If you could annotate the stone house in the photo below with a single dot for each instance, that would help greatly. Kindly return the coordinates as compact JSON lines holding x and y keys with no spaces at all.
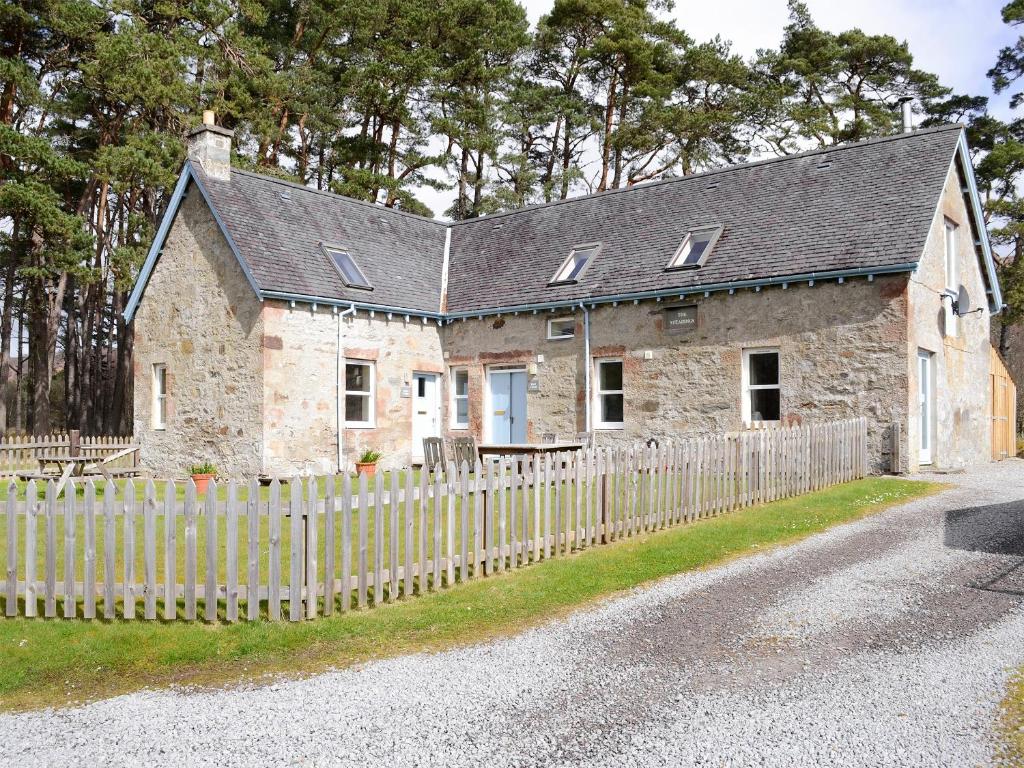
{"x":281,"y":329}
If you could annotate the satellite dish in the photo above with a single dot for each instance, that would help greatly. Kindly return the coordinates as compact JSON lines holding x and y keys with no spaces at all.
{"x":962,"y":302}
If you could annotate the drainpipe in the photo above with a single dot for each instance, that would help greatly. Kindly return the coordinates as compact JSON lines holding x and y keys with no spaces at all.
{"x":339,"y":405}
{"x":586,"y":367}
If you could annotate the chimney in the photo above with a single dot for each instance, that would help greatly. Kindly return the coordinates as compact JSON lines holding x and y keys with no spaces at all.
{"x":209,"y":145}
{"x":907,"y":114}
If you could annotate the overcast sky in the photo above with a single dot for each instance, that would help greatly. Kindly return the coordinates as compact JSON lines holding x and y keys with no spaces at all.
{"x":956,"y":39}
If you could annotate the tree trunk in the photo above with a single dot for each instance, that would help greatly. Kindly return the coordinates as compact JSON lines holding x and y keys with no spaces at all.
{"x":606,"y":144}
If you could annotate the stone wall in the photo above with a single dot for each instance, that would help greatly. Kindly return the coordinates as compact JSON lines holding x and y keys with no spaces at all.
{"x":842,"y":353}
{"x":300,"y":384}
{"x":961,"y":362}
{"x":200,"y":317}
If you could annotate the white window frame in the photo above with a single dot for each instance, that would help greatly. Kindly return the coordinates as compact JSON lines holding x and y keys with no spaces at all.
{"x":455,"y":397}
{"x":599,"y":422}
{"x":712,"y":234}
{"x":561,"y":275}
{"x":747,"y":387}
{"x":371,"y":394}
{"x":951,"y":260}
{"x":159,"y":397}
{"x":560,"y":337}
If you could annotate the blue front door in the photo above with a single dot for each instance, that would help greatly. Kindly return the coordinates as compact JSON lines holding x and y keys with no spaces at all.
{"x":508,"y":407}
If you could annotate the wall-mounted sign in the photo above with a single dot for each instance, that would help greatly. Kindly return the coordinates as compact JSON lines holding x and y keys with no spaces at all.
{"x":533,"y":385}
{"x":681,"y":319}
{"x":405,"y":391}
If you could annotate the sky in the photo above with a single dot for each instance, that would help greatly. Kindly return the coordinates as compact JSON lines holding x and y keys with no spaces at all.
{"x":956,"y":39}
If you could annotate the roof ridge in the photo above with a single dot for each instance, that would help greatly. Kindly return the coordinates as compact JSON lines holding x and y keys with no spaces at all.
{"x":335,"y":195}
{"x":717,"y":171}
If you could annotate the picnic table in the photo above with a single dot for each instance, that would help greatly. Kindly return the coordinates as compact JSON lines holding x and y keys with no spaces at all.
{"x":526,"y":449}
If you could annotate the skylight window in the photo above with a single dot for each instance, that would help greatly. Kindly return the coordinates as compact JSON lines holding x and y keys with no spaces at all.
{"x":579,"y":259}
{"x":350,"y":272}
{"x":694,"y":250}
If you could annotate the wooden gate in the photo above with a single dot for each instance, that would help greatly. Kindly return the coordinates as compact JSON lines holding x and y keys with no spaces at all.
{"x":1003,"y":409}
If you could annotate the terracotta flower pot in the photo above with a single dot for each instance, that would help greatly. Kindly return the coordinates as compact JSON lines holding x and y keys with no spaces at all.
{"x":368,"y":468}
{"x":202,"y":481}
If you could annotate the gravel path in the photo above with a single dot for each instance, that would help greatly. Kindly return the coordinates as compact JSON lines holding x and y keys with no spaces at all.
{"x":883,"y":642}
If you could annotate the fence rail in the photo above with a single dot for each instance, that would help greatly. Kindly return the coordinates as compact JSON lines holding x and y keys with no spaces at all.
{"x":314,"y":546}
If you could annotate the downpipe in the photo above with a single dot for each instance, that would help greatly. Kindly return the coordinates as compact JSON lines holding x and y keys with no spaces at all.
{"x":339,"y":402}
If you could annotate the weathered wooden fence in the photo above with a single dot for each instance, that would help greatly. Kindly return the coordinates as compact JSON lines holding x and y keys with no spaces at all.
{"x":19,"y":453}
{"x":313,"y":546}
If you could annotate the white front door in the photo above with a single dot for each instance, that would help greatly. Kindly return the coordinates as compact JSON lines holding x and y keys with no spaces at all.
{"x":425,"y":417}
{"x":924,"y":394}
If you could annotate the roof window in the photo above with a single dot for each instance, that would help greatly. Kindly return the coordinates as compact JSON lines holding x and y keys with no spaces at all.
{"x":694,"y":250}
{"x":574,"y":266}
{"x":350,"y":272}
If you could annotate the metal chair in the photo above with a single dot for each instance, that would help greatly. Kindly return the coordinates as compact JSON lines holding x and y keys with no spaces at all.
{"x":586,"y":438}
{"x":549,"y":438}
{"x":433,"y":453}
{"x":464,"y":450}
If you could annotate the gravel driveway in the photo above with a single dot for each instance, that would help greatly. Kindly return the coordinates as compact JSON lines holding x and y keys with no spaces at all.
{"x":882,"y":642}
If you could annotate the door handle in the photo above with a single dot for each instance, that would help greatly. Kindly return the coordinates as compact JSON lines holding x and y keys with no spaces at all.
{"x":499,"y":413}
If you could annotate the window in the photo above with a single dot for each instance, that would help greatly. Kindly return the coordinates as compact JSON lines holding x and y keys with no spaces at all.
{"x":694,"y":250}
{"x":350,"y":272}
{"x":610,"y":401}
{"x":762,"y":399}
{"x":952,"y":279}
{"x":460,"y":398}
{"x":562,"y":328}
{"x":579,"y":259}
{"x":159,"y":396}
{"x":358,"y":394}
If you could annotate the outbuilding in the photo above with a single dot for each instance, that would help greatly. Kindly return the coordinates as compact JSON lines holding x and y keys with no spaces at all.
{"x":282,"y":329}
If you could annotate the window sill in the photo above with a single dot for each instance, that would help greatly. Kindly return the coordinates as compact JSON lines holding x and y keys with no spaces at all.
{"x":359,"y":425}
{"x":561,"y":338}
{"x":610,"y":427}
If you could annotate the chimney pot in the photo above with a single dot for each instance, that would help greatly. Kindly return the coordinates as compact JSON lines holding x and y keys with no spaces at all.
{"x":907,"y":114}
{"x":209,"y":117}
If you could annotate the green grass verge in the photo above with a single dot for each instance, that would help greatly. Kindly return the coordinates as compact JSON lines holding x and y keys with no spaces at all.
{"x":59,"y":662}
{"x":1011,"y":723}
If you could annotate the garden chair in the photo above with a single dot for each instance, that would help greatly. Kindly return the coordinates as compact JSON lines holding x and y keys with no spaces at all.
{"x":433,"y":454}
{"x":464,"y":450}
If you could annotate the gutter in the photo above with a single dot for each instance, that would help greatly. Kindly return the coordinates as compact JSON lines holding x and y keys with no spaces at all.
{"x":353,"y":305}
{"x":339,"y":400}
{"x":682,"y":293}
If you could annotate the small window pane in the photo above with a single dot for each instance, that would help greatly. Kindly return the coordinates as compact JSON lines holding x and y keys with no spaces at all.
{"x":764,"y":369}
{"x":611,"y":408}
{"x":562,"y":329}
{"x":611,"y":376}
{"x":357,"y":408}
{"x":347,"y":268}
{"x":574,"y":265}
{"x":695,"y":251}
{"x":421,"y":387}
{"x":764,"y":405}
{"x":462,"y":383}
{"x":462,"y":411}
{"x":357,"y":377}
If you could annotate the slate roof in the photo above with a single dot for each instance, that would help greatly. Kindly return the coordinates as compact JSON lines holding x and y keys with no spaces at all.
{"x":278,"y":226}
{"x":868,"y":204}
{"x":856,"y":206}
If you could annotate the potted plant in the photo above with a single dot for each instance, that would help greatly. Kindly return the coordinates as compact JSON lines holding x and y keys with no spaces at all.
{"x":202,"y":474}
{"x":366,"y":464}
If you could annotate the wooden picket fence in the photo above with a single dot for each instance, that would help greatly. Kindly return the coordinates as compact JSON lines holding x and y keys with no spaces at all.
{"x":314,"y":546}
{"x":21,"y":453}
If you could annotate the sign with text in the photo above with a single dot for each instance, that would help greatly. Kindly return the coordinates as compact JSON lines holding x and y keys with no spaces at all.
{"x":681,"y":319}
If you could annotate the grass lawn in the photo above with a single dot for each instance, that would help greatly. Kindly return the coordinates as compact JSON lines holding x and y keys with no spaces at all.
{"x":1011,"y":722}
{"x":60,"y":662}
